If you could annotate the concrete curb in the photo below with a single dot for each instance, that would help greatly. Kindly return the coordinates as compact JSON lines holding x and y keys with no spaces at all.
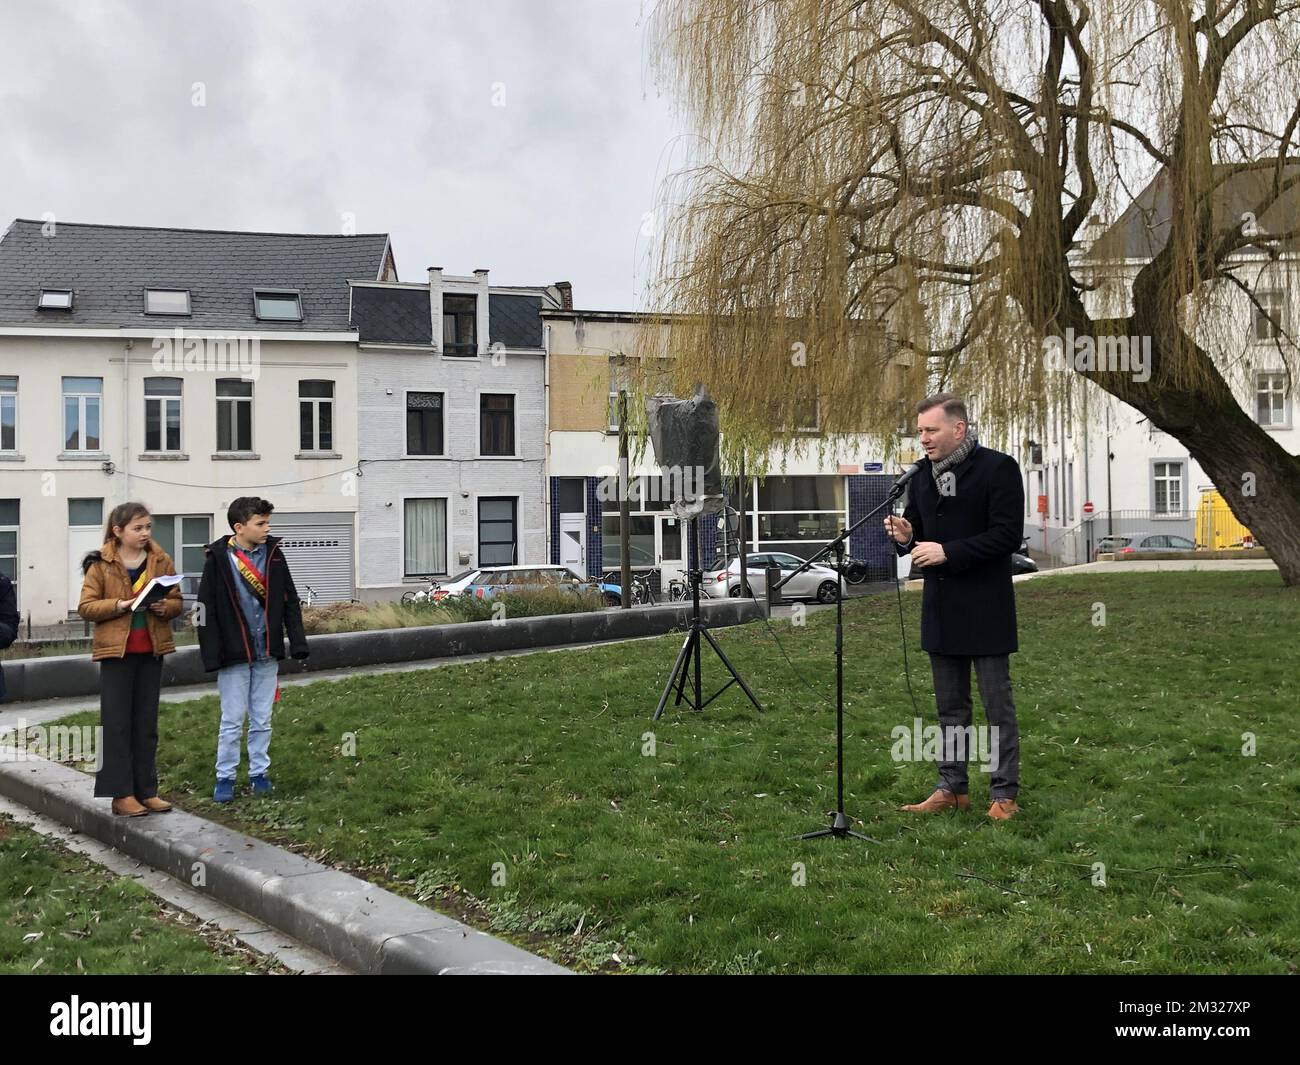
{"x":359,"y":924}
{"x":63,"y":676}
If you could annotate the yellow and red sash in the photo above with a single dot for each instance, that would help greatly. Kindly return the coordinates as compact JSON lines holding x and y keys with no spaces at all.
{"x":252,"y":575}
{"x":256,"y":582}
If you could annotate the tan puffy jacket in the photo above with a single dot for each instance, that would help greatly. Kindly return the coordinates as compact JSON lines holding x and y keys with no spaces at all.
{"x":106,"y":582}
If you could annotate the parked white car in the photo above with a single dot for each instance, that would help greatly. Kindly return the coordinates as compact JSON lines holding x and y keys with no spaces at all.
{"x":816,"y":582}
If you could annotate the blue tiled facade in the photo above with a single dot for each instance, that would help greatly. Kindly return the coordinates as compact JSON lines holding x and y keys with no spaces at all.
{"x":869,"y":543}
{"x":555,"y":521}
{"x":595,"y":547}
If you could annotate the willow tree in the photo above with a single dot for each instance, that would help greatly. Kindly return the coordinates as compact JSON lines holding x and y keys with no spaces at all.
{"x":891,"y":195}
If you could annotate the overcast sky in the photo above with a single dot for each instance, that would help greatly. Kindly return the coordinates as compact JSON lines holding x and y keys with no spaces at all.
{"x":389,"y":111}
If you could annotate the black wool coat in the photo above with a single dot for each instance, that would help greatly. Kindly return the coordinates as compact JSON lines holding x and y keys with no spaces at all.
{"x":224,"y":636}
{"x":968,"y":606}
{"x":9,"y":620}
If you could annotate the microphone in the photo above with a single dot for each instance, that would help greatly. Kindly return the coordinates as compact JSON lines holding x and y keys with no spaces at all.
{"x":906,"y":476}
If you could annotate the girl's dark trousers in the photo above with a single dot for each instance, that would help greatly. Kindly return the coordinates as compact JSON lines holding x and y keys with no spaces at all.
{"x":128,"y":716}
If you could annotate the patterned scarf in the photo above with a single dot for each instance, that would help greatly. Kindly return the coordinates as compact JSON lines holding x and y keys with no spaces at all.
{"x":955,"y":458}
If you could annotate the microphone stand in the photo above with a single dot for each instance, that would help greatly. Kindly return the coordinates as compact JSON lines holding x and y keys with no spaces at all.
{"x":690,"y":652}
{"x":839,"y":821}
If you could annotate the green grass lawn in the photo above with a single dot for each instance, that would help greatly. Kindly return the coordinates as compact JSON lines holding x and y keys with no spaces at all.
{"x":61,"y":913}
{"x":515,"y":793}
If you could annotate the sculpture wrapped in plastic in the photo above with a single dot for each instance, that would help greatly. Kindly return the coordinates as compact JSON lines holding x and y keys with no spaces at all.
{"x":686,"y":437}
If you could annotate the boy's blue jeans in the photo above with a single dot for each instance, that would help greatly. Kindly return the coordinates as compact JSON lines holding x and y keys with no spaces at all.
{"x":247,"y":690}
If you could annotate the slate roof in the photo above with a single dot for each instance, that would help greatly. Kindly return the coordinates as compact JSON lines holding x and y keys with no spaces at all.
{"x":387,"y":315}
{"x":1142,"y":230}
{"x":515,"y":321}
{"x":391,"y":315}
{"x":109,"y":267}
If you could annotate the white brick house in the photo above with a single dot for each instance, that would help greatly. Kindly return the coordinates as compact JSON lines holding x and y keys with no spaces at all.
{"x":451,"y":408}
{"x":124,"y":375}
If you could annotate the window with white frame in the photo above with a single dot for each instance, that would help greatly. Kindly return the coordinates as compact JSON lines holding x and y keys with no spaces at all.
{"x":425,"y":537}
{"x":424,"y":423}
{"x":618,"y":380}
{"x":234,"y":415}
{"x":459,"y":325}
{"x":162,"y":414}
{"x":1069,"y":490}
{"x":55,"y":299}
{"x":82,"y":399}
{"x":1272,"y":403}
{"x":1267,"y":315}
{"x":496,"y":424}
{"x":276,"y":305}
{"x":8,"y":413}
{"x":1167,"y":487}
{"x":185,"y":538}
{"x":316,"y":415}
{"x":171,"y":301}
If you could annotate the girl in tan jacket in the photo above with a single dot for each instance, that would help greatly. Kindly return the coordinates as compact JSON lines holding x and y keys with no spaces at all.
{"x":129,"y":646}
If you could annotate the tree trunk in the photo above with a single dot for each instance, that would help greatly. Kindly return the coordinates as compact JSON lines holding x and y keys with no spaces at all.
{"x":1257,"y":477}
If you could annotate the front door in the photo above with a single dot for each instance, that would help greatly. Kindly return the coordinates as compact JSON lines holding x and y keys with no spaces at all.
{"x":573,"y":543}
{"x":670,"y":547}
{"x":85,"y":534}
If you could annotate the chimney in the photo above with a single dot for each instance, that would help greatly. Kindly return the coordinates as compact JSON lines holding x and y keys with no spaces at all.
{"x":565,"y":289}
{"x":435,"y":306}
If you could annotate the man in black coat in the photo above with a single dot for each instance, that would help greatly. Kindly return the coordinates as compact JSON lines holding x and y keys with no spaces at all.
{"x":9,"y":621}
{"x":963,"y":519}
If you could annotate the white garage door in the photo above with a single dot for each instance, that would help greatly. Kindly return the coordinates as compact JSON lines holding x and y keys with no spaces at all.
{"x":319,"y":550}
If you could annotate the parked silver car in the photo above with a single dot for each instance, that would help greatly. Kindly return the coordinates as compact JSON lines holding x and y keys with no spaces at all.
{"x":1127,"y":543}
{"x":816,"y":582}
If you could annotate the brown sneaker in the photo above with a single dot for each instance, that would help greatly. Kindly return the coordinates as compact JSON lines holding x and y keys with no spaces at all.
{"x":129,"y":807}
{"x":940,"y":800}
{"x":1003,"y":809}
{"x":157,"y":805}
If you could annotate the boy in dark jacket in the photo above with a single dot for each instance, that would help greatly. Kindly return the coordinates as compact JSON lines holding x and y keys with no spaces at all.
{"x":8,"y":622}
{"x":248,"y":604}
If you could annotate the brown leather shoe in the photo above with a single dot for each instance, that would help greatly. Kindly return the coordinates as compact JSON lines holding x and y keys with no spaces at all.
{"x":1004,"y":809}
{"x":157,"y":805}
{"x":129,"y":807}
{"x":940,"y":800}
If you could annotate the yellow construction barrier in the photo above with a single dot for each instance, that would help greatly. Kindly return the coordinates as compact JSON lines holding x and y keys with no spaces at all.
{"x":1217,"y":528}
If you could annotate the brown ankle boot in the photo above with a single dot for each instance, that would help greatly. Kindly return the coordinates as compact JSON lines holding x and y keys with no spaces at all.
{"x":1003,"y":809}
{"x":157,"y":805}
{"x":940,"y":800}
{"x":129,"y":807}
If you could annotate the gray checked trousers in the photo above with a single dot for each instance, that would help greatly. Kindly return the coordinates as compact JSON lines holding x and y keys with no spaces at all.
{"x":952,"y":696}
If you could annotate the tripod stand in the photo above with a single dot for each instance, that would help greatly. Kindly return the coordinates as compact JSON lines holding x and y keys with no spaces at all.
{"x":839,"y":826}
{"x":690,"y":651}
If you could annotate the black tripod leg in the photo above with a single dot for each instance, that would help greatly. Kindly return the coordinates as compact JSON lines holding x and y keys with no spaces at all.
{"x":694,"y":642}
{"x":731,"y":669}
{"x":681,"y":658}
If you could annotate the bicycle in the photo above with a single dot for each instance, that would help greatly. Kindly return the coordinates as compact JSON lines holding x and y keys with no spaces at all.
{"x":642,"y":591}
{"x":678,"y":590}
{"x":421,"y":595}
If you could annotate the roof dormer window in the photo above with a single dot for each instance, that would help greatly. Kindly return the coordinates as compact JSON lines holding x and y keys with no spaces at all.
{"x":277,"y":305}
{"x":55,"y":299}
{"x":167,"y":301}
